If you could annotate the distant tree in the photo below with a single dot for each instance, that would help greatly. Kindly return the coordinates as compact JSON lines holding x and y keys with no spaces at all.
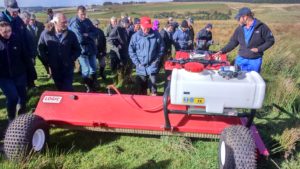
{"x":107,"y":3}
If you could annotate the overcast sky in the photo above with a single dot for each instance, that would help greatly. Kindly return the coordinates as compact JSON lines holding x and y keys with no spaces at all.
{"x":49,"y":3}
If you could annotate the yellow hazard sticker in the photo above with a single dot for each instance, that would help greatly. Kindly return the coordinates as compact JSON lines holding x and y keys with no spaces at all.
{"x":193,"y":100}
{"x":199,"y":100}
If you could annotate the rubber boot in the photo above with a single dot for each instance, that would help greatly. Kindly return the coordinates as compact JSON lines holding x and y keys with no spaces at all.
{"x":102,"y":75}
{"x":87,"y":84}
{"x":94,"y":83}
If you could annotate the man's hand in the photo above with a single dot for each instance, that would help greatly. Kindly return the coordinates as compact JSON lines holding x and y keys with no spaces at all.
{"x":119,"y":47}
{"x":85,"y":34}
{"x":255,"y":50}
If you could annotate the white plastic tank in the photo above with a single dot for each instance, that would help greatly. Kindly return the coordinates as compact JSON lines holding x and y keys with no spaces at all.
{"x":211,"y":90}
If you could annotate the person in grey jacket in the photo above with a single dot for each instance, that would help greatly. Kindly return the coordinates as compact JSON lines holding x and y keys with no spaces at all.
{"x":100,"y":42}
{"x":253,"y":36}
{"x":146,"y":49}
{"x":59,"y":47}
{"x":204,"y":38}
{"x":86,"y":33}
{"x":118,"y":41}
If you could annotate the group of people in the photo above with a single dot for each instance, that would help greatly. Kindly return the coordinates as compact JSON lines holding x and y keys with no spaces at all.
{"x":131,"y":44}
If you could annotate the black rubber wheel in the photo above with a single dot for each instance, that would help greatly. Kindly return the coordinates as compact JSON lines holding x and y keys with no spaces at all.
{"x":237,"y":149}
{"x":28,"y":133}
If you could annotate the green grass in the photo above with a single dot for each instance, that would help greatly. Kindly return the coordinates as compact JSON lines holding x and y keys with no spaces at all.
{"x":281,"y":71}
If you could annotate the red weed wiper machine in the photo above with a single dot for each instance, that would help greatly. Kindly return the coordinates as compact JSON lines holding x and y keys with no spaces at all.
{"x":198,"y":102}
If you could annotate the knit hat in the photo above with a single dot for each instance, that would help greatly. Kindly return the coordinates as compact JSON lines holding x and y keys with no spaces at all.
{"x":155,"y":24}
{"x":209,"y":25}
{"x":136,"y":21}
{"x":125,"y":20}
{"x":184,"y":24}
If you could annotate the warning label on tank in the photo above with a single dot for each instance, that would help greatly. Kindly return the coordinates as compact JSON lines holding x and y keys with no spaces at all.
{"x":193,"y":100}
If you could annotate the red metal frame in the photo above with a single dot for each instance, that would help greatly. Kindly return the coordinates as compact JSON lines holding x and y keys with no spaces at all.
{"x":128,"y":112}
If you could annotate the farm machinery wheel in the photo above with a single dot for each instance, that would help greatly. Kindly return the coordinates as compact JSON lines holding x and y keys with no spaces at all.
{"x":26,"y":134}
{"x":237,"y":148}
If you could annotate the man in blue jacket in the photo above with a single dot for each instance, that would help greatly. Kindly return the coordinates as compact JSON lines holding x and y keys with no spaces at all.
{"x":182,"y":37}
{"x":254,"y":37}
{"x":146,"y":49}
{"x":14,"y":62}
{"x":86,"y":33}
{"x":59,"y":48}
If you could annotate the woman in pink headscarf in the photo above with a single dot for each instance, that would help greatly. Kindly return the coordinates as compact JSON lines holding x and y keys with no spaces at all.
{"x":155,"y":26}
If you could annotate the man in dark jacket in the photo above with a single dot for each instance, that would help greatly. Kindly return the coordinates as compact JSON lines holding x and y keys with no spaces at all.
{"x":254,"y":37}
{"x":14,"y":62}
{"x":136,"y":26}
{"x":100,"y":42}
{"x":59,"y":47}
{"x":204,"y":38}
{"x":146,"y":49}
{"x":50,"y":15}
{"x":86,"y":33}
{"x":11,"y":15}
{"x":36,"y":28}
{"x":25,"y":16}
{"x":191,"y":28}
{"x":166,"y":35}
{"x":119,"y":59}
{"x":182,"y":38}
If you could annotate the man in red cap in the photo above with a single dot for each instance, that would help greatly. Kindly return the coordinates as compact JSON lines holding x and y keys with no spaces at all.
{"x":146,"y":49}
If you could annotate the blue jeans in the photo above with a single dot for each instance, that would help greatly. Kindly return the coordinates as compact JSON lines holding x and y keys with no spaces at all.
{"x":249,"y":64}
{"x":14,"y":90}
{"x":88,"y":65}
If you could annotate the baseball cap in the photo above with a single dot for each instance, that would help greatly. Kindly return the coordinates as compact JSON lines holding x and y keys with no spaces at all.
{"x":242,"y":12}
{"x":146,"y":22}
{"x":11,"y":5}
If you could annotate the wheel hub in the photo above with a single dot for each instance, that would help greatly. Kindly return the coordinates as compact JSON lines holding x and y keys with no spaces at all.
{"x":38,"y":140}
{"x":223,"y":153}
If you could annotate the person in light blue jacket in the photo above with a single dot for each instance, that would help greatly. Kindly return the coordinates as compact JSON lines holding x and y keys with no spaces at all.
{"x":182,"y":37}
{"x":145,"y":50}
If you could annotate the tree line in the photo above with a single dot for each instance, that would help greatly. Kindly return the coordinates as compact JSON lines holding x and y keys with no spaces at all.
{"x":199,"y":15}
{"x":108,"y":3}
{"x":246,"y":1}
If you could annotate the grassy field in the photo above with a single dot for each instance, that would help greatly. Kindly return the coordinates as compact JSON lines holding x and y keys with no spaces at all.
{"x":278,"y":121}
